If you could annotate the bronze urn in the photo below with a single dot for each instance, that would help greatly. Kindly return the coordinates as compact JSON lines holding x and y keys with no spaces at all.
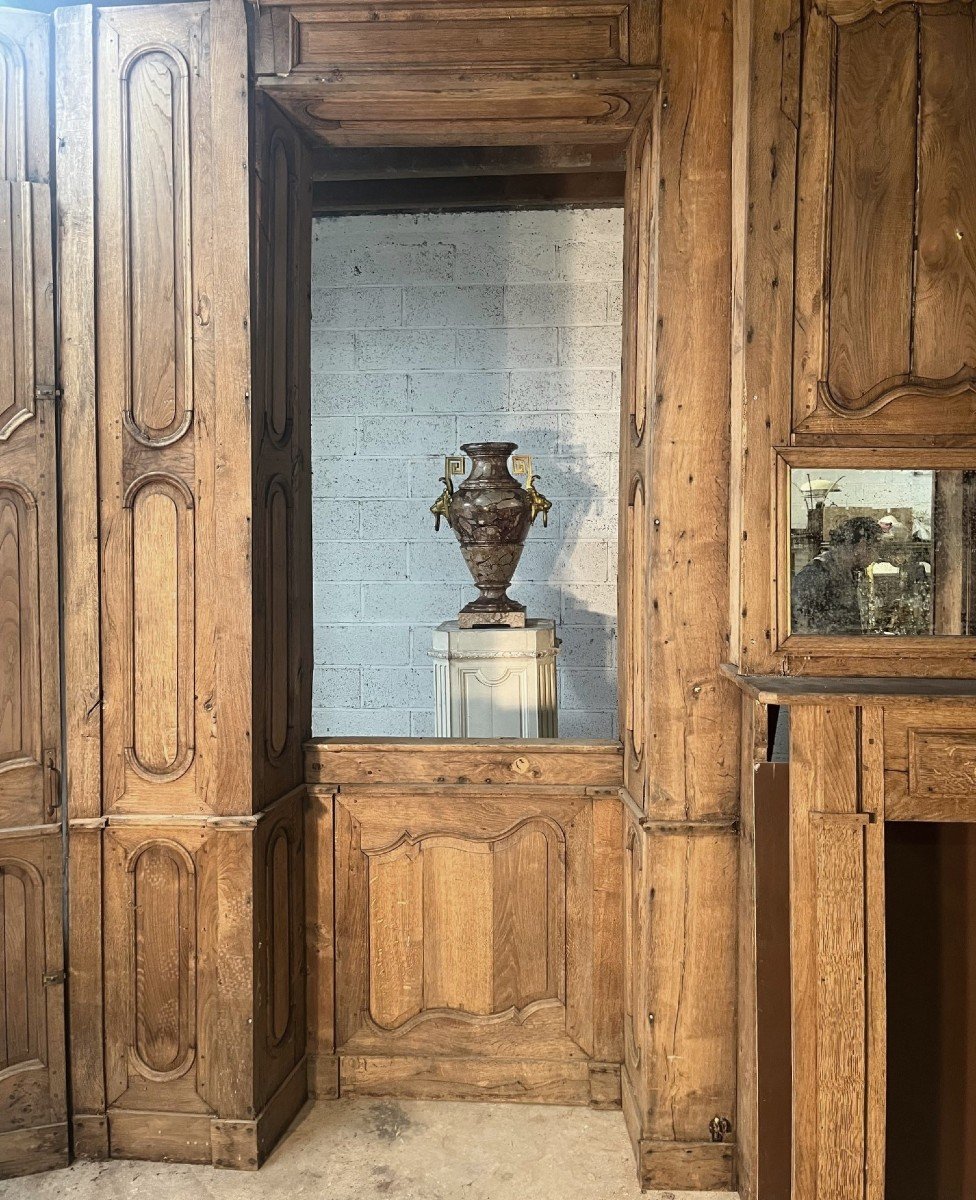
{"x":490,"y":513}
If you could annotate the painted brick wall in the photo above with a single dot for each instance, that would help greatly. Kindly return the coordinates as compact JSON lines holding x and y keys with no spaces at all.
{"x":433,"y":330}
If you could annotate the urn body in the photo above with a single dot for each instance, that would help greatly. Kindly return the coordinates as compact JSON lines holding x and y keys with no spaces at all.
{"x":490,"y":513}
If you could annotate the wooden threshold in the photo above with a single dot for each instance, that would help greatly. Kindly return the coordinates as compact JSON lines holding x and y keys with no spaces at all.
{"x":540,"y":761}
{"x":816,"y":689}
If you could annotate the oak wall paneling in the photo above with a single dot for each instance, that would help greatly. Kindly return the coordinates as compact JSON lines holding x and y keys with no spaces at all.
{"x":187,"y":845}
{"x":690,"y":803}
{"x":862,"y":179}
{"x":204,"y":600}
{"x":477,"y":926}
{"x":887,"y":139}
{"x":33,"y":1088}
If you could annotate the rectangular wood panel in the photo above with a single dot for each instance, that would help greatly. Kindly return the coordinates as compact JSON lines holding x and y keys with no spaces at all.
{"x":478,"y":923}
{"x":872,"y":206}
{"x":457,"y":36}
{"x":886,"y":138}
{"x":945,"y":289}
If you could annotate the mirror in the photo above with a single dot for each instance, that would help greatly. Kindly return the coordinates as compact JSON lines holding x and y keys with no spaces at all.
{"x":876,"y":552}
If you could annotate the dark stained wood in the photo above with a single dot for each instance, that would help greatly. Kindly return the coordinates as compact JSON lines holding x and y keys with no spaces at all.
{"x":930,"y":887}
{"x":772,"y":1169}
{"x":335,"y":163}
{"x":465,"y":108}
{"x":812,"y":689}
{"x":591,"y":190}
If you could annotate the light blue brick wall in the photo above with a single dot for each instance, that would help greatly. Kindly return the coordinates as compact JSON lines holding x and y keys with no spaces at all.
{"x":429,"y":331}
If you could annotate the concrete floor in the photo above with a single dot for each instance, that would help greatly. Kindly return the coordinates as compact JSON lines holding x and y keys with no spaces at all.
{"x":384,"y":1149}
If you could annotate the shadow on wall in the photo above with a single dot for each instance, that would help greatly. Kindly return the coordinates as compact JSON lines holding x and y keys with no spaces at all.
{"x":433,"y":331}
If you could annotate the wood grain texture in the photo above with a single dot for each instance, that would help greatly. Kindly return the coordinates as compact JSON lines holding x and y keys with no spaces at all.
{"x":837,"y":941}
{"x":451,"y":760}
{"x":319,"y":938}
{"x":155,"y":358}
{"x":498,"y":33}
{"x":886,"y":134}
{"x":281,"y":598}
{"x":74,"y":115}
{"x":33,"y":1100}
{"x":33,"y":1084}
{"x":25,"y":83}
{"x":872,"y":206}
{"x":944,"y":325}
{"x":482,"y":922}
{"x":442,"y":107}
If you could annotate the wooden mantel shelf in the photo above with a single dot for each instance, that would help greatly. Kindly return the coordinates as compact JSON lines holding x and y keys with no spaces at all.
{"x":816,"y":689}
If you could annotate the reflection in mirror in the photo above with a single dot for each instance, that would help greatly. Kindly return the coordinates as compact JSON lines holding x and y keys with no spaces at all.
{"x":881,"y":552}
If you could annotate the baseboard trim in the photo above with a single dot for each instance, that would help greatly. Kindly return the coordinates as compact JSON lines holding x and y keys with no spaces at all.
{"x":200,"y":1137}
{"x":29,"y":1151}
{"x":323,"y":1076}
{"x":244,"y":1145}
{"x":89,"y":1136}
{"x":525,"y":1081}
{"x":686,"y":1166}
{"x":159,"y":1136}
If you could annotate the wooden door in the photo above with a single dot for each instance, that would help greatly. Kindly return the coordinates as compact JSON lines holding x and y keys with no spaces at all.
{"x":33,"y":1131}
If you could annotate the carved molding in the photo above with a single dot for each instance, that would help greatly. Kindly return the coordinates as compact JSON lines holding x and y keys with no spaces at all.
{"x":280,"y":592}
{"x":24,"y":1040}
{"x":163,"y":949}
{"x":21,"y":734}
{"x":899,"y":387}
{"x":143,"y":157}
{"x":13,"y":110}
{"x":18,"y":387}
{"x":279,"y":935}
{"x":849,"y":12}
{"x":280,"y":266}
{"x":161,"y":670}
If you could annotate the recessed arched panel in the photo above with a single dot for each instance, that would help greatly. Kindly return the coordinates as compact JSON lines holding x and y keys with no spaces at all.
{"x":277,"y":525}
{"x":158,"y":266}
{"x":163,"y":948}
{"x":13,"y":114}
{"x":20,"y":714}
{"x":21,"y":969}
{"x":279,"y":935}
{"x":280,"y":297}
{"x":161,"y":547}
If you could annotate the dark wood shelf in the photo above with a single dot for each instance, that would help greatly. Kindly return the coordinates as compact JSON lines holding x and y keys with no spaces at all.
{"x":816,"y":689}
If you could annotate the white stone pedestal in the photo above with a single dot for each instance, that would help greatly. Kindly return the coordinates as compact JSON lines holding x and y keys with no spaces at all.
{"x":495,"y":682}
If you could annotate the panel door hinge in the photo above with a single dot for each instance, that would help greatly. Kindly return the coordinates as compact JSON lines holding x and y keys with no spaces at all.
{"x":53,"y":781}
{"x":53,"y":978}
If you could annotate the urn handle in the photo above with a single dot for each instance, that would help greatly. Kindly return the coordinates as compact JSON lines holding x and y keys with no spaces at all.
{"x":522,"y":465}
{"x":454,"y":464}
